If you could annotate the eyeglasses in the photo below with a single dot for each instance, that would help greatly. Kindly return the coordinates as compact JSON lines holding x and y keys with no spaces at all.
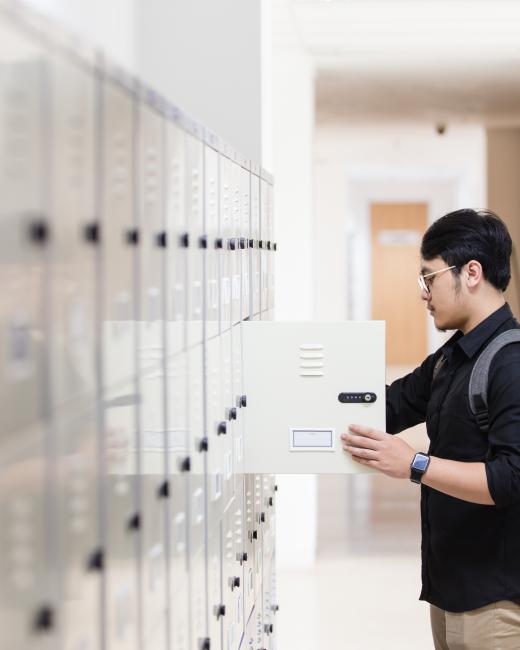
{"x":425,"y":286}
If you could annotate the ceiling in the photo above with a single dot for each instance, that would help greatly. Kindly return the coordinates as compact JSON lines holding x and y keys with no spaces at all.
{"x":434,"y":59}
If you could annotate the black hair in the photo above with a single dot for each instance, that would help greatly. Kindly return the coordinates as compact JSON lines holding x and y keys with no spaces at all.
{"x":465,"y":235}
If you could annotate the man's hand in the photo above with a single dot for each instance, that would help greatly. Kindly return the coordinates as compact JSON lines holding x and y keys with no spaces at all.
{"x":382,"y":451}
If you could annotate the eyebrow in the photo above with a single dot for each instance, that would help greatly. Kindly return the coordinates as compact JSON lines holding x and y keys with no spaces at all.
{"x":425,"y":270}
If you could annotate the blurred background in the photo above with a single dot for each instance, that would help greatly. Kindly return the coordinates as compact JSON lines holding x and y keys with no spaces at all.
{"x":376,"y":117}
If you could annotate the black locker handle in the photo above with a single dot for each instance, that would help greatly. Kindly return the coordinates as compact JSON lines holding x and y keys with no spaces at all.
{"x":357,"y":398}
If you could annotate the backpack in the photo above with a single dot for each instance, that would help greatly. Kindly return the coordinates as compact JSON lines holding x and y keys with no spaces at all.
{"x":478,"y":382}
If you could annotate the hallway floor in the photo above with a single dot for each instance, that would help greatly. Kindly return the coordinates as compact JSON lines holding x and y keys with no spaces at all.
{"x":361,"y":603}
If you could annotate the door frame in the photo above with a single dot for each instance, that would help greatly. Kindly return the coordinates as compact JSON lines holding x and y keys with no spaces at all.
{"x":441,"y":194}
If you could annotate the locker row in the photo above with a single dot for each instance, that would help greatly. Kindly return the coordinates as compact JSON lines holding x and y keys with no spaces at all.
{"x":133,"y":246}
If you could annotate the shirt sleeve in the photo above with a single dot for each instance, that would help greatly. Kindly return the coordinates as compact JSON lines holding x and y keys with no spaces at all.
{"x":503,"y":460}
{"x":407,"y":398}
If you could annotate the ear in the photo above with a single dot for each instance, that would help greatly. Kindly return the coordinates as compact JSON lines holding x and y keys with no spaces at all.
{"x":474,"y":272}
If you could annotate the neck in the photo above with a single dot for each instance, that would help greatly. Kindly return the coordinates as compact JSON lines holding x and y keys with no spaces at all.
{"x":482,"y":310}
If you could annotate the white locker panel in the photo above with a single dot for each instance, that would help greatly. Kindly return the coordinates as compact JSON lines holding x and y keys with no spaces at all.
{"x":212,"y":279}
{"x":254,"y":251}
{"x":197,"y":569}
{"x":151,"y":351}
{"x":264,"y":234}
{"x":249,"y":545}
{"x":306,"y":382}
{"x":28,"y":613}
{"x":197,"y":242}
{"x":234,"y":243}
{"x":118,"y":327}
{"x":229,"y":416}
{"x":232,"y":574}
{"x":179,"y":589}
{"x":73,"y":358}
{"x":271,"y":249}
{"x":224,"y":241}
{"x":256,"y":535}
{"x":215,"y":587}
{"x":219,"y":438}
{"x":177,"y":237}
{"x":239,"y":399}
{"x":245,"y":231}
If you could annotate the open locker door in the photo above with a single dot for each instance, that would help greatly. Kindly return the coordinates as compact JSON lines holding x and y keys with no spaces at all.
{"x":305,"y":383}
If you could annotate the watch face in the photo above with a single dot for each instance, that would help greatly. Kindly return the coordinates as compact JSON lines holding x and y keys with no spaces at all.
{"x":420,"y":462}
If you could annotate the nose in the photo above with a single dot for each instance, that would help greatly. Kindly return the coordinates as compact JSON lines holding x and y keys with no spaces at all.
{"x":425,"y":295}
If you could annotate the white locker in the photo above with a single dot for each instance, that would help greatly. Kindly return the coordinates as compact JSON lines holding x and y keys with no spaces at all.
{"x":249,"y":545}
{"x":118,"y":338}
{"x":215,"y":602}
{"x":28,"y":615}
{"x":224,"y":239}
{"x":177,"y":236}
{"x":239,"y":399}
{"x":177,"y":490}
{"x":234,"y":241}
{"x":229,"y":417}
{"x":197,"y":241}
{"x":211,"y":200}
{"x":151,"y":351}
{"x":244,"y":236}
{"x":264,"y":238}
{"x":217,"y":432}
{"x":254,"y":250}
{"x":306,"y":382}
{"x":73,"y":350}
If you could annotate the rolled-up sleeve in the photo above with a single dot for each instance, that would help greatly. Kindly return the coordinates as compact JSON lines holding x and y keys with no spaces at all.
{"x":503,"y":463}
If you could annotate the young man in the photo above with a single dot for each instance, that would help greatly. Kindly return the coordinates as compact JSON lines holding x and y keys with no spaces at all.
{"x":470,"y":495}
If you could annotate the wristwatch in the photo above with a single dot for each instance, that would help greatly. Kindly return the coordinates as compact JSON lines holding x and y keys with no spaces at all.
{"x":418,"y":467}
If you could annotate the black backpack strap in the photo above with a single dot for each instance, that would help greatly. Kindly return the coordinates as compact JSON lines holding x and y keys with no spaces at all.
{"x":478,"y":382}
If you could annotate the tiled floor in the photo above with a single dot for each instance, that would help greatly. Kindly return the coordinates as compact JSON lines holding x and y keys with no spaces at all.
{"x":363,"y":603}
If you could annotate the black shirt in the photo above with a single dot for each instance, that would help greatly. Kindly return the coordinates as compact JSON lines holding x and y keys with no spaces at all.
{"x":470,"y":552}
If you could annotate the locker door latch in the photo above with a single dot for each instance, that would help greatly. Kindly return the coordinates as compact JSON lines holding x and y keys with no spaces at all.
{"x":357,"y":398}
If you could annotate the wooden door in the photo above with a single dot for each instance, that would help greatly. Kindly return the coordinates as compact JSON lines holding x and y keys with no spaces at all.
{"x":397,"y":229}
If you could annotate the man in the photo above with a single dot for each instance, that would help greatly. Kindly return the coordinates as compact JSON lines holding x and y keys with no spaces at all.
{"x":470,"y":495}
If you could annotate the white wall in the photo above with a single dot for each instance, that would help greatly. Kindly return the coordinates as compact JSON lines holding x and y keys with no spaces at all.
{"x":361,"y":163}
{"x":293,"y":126}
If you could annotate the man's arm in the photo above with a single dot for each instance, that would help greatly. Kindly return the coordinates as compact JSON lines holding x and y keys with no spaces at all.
{"x":393,"y":457}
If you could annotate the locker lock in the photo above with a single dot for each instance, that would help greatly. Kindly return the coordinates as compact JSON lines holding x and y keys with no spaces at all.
{"x":204,"y":444}
{"x":205,"y":644}
{"x":161,"y":239}
{"x":268,"y":245}
{"x":134,"y":523}
{"x":255,"y":534}
{"x":275,"y":246}
{"x":220,"y":610}
{"x":268,"y":628}
{"x":203,"y":242}
{"x":222,"y":428}
{"x":242,"y":401}
{"x":219,"y":243}
{"x":251,"y":243}
{"x":164,"y":491}
{"x":186,"y":464}
{"x":234,"y":582}
{"x":92,"y":232}
{"x":241,"y":557}
{"x":44,"y":619}
{"x":260,"y":244}
{"x":270,"y":501}
{"x":132,"y":236}
{"x":357,"y":398}
{"x":242,"y":243}
{"x":184,"y":240}
{"x":262,"y":517}
{"x":276,"y":488}
{"x":275,"y":608}
{"x":96,"y":561}
{"x":232,"y":415}
{"x":232,"y":244}
{"x":39,"y":231}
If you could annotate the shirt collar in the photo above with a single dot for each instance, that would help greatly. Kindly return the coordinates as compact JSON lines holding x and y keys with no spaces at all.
{"x":471,"y":342}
